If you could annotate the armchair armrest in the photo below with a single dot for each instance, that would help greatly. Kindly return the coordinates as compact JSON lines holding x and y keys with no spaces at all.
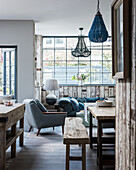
{"x":54,"y":112}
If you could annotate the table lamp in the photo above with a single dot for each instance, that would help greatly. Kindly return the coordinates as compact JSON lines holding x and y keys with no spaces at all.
{"x":51,"y":84}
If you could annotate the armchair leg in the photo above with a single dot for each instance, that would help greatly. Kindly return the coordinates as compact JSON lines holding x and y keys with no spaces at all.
{"x":63,"y":130}
{"x":30,"y":128}
{"x":38,"y":132}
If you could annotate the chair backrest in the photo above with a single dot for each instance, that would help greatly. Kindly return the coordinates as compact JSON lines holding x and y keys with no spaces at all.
{"x":33,"y":113}
{"x":37,"y":115}
{"x":28,"y":113}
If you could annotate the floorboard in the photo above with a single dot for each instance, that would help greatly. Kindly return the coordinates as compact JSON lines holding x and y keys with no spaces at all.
{"x":47,"y":152}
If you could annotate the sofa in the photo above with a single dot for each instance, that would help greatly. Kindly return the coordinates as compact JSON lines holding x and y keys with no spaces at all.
{"x":74,"y":106}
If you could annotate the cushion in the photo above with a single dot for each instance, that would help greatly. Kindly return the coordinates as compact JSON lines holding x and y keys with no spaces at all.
{"x":66,"y":104}
{"x":81,"y":106}
{"x":102,"y":98}
{"x":40,"y":105}
{"x":92,"y":99}
{"x":65,"y":99}
{"x":75,"y":104}
{"x":80,"y":99}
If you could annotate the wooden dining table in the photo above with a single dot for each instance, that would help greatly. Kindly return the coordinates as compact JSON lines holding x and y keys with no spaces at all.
{"x":102,"y":115}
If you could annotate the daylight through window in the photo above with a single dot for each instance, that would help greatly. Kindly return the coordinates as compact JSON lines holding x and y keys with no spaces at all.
{"x":8,"y":71}
{"x":58,"y":62}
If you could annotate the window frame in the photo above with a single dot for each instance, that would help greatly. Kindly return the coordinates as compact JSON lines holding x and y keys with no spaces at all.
{"x":89,"y":60}
{"x":15,"y":71}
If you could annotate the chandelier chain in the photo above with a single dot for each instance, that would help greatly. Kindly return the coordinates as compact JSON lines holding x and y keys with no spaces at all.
{"x":98,"y":6}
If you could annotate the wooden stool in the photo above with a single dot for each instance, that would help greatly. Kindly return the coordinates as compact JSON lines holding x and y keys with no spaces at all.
{"x":75,"y":134}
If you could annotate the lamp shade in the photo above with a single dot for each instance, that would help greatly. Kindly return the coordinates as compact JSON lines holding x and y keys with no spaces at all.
{"x":51,"y":84}
{"x":98,"y":31}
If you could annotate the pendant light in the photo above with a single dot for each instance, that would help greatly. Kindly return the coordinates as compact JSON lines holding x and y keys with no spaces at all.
{"x":98,"y":31}
{"x":81,"y":49}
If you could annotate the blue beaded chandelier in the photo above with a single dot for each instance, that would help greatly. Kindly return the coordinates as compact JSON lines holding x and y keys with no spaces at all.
{"x":98,"y":31}
{"x":81,"y":50}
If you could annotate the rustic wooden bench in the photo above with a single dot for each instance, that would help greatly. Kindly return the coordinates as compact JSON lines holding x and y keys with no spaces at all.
{"x":75,"y":134}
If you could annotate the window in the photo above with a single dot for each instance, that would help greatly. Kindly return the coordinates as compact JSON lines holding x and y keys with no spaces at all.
{"x":48,"y":41}
{"x":59,"y":63}
{"x":8,"y":70}
{"x":59,"y":40}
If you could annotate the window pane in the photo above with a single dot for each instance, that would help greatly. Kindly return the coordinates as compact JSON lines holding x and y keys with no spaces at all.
{"x":48,"y":42}
{"x":60,"y":43}
{"x":72,"y":69}
{"x":48,"y":69}
{"x":96,"y":66}
{"x":107,"y":55}
{"x":60,"y":54}
{"x":84,"y":66}
{"x":12,"y":87}
{"x":60,"y":71}
{"x":1,"y":72}
{"x":12,"y":58}
{"x":47,"y":76}
{"x":72,"y":66}
{"x":7,"y":71}
{"x":96,"y":46}
{"x":60,"y":64}
{"x":48,"y":54}
{"x":96,"y":78}
{"x":70,"y":56}
{"x":12,"y":71}
{"x":96,"y":54}
{"x":69,"y":78}
{"x":61,"y":77}
{"x":71,"y":43}
{"x":7,"y":59}
{"x":48,"y":64}
{"x":107,"y":78}
{"x":87,"y":42}
{"x":107,"y":44}
{"x":107,"y":66}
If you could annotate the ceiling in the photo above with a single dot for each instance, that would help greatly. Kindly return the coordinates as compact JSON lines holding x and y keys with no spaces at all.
{"x":57,"y":17}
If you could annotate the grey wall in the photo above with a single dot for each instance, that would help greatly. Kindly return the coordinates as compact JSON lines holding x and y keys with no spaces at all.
{"x":20,"y":33}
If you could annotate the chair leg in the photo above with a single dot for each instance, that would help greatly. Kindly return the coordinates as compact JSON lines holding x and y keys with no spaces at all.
{"x":63,"y":130}
{"x":38,"y":132}
{"x":30,"y":128}
{"x":53,"y":128}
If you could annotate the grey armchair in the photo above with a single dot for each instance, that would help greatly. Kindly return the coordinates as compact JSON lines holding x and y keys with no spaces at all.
{"x":38,"y":119}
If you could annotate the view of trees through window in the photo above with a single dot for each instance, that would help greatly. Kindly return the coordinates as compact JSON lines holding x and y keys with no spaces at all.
{"x":59,"y":63}
{"x":7,"y":71}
